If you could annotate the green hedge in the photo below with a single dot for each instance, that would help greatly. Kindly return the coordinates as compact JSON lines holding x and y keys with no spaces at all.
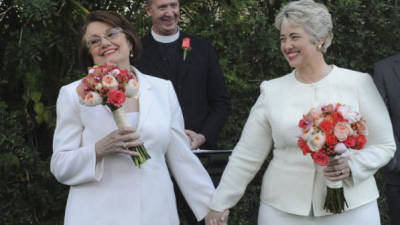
{"x":38,"y":54}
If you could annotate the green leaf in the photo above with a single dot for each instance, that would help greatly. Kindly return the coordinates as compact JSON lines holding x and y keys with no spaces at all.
{"x":36,"y":96}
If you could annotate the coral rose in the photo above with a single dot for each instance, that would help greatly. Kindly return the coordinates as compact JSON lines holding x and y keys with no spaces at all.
{"x":327,"y":126}
{"x":361,"y":140}
{"x":320,"y":158}
{"x":116,"y":98}
{"x":303,"y":146}
{"x":350,"y":141}
{"x":331,"y":140}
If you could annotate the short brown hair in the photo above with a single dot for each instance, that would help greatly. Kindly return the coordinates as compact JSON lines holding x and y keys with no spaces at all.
{"x":115,"y":20}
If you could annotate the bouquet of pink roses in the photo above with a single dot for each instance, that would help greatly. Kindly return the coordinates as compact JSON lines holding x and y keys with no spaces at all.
{"x":110,"y":85}
{"x":327,"y":132}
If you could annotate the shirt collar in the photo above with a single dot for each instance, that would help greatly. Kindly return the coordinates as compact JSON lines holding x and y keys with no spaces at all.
{"x":165,"y":39}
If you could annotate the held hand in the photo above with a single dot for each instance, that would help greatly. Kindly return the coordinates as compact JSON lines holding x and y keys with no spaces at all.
{"x":196,"y":139}
{"x":217,"y":218}
{"x":118,"y":141}
{"x":338,"y":169}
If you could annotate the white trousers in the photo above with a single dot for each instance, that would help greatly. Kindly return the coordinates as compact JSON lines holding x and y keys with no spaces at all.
{"x":367,"y":214}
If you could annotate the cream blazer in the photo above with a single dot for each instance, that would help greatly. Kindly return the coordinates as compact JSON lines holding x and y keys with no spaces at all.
{"x":114,"y":191}
{"x":292,"y":182}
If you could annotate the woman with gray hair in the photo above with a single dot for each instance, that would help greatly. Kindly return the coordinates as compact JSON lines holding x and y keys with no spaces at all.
{"x":294,"y":188}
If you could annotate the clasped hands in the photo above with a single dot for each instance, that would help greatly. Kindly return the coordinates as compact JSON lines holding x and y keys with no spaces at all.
{"x":217,"y":218}
{"x":337,"y":169}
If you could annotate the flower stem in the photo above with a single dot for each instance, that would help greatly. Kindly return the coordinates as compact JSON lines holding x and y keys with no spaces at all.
{"x":335,"y":201}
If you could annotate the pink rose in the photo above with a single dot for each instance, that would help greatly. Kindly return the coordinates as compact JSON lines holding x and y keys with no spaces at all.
{"x":342,"y":130}
{"x":116,"y":98}
{"x":92,"y":98}
{"x":109,"y":81}
{"x":132,"y":88}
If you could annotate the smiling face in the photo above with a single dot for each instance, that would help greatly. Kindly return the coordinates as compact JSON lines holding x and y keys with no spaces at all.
{"x":296,"y":45}
{"x":107,"y":43}
{"x":164,"y":16}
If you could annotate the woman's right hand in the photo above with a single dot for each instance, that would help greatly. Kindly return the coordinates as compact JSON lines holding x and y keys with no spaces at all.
{"x":217,"y":218}
{"x":118,"y":141}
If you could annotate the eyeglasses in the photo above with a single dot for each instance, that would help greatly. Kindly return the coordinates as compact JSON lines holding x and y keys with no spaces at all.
{"x":111,"y":34}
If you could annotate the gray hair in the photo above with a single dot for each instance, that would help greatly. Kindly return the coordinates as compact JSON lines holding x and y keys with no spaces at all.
{"x":314,"y":17}
{"x":149,"y":2}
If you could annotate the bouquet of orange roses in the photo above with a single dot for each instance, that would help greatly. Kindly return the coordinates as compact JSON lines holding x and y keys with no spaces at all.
{"x":110,"y":85}
{"x":327,"y":132}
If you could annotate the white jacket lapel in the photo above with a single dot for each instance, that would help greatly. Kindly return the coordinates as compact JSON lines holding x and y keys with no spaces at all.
{"x":145,"y":97}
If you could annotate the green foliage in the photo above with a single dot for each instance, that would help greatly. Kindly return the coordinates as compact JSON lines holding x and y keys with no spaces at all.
{"x":27,"y":187}
{"x":39,"y":42}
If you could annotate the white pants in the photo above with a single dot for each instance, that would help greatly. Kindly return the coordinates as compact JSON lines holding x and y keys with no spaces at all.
{"x":367,"y":214}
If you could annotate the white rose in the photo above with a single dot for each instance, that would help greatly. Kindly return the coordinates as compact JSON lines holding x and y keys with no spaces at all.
{"x":132,"y":89}
{"x":92,"y":99}
{"x":109,"y":81}
{"x":316,"y":141}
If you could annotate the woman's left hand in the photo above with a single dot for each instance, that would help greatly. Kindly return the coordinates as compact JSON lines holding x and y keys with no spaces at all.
{"x":337,"y":169}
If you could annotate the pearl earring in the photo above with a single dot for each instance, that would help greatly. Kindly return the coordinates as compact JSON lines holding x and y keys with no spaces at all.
{"x":319,"y":47}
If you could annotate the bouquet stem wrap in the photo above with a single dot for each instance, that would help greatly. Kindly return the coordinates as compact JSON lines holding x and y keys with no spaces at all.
{"x":123,"y":122}
{"x":334,"y":201}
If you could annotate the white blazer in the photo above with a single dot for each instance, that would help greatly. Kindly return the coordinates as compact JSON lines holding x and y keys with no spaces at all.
{"x":293,"y":183}
{"x":114,"y":191}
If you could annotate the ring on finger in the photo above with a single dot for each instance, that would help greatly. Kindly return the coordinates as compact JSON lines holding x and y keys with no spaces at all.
{"x":339,"y":172}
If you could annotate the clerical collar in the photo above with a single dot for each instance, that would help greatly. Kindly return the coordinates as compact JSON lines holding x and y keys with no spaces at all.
{"x":165,"y":39}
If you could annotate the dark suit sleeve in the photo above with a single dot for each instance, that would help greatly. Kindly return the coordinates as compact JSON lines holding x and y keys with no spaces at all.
{"x":218,"y":100}
{"x":381,"y":72}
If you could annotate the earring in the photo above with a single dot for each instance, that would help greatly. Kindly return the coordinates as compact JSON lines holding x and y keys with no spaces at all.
{"x":319,"y":47}
{"x":131,"y":55}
